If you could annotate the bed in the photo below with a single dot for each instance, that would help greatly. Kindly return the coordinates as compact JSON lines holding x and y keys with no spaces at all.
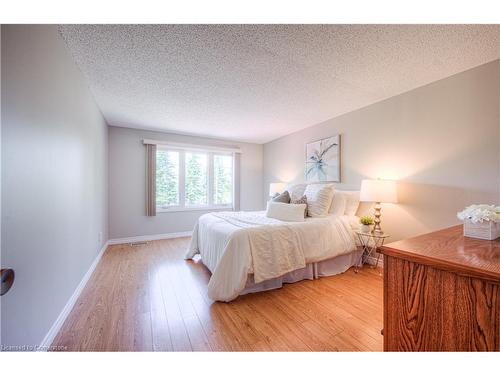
{"x":248,"y":252}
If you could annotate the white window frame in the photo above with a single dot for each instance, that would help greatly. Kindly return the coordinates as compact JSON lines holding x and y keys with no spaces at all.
{"x":210,"y":176}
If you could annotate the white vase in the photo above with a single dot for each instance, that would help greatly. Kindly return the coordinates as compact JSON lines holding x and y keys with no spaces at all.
{"x":366,"y":228}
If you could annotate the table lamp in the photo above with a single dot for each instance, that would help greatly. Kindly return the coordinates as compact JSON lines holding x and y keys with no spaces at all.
{"x":378,"y":191}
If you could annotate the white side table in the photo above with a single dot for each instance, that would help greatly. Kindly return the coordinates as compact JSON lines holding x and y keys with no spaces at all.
{"x":370,"y":243}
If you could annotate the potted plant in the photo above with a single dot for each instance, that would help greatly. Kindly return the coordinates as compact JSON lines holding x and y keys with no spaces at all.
{"x":366,"y":223}
{"x":481,"y":221}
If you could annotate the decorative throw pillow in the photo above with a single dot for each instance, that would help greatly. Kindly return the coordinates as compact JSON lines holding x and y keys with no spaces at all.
{"x":352,"y":201}
{"x":301,"y":200}
{"x":319,"y":199}
{"x":282,"y":198}
{"x":338,"y":205}
{"x":285,"y":211}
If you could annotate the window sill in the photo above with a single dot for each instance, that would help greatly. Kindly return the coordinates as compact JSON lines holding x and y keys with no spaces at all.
{"x":200,"y":208}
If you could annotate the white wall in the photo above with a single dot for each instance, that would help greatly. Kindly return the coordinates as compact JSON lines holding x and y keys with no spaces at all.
{"x":127,"y":183}
{"x":441,"y":141}
{"x":54,"y":180}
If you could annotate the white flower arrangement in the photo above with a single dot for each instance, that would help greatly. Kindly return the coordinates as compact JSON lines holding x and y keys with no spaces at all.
{"x":477,"y":213}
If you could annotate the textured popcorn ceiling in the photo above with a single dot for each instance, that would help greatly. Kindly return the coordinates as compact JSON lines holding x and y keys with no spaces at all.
{"x":256,"y":83}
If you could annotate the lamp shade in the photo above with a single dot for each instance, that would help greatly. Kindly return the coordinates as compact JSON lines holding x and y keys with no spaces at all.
{"x":276,"y":187}
{"x":383,"y":191}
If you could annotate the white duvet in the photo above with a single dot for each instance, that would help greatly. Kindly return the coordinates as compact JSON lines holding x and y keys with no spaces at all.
{"x":235,"y":244}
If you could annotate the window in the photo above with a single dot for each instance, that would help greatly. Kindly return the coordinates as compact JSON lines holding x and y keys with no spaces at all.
{"x":190,"y":180}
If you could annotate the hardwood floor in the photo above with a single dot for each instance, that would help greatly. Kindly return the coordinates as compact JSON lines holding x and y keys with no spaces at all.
{"x":147,"y":298}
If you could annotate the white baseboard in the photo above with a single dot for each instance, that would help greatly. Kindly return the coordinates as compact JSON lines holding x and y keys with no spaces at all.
{"x":54,"y":330}
{"x":151,"y":237}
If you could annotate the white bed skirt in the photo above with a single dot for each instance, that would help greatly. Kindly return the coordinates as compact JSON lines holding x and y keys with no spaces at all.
{"x":334,"y":266}
{"x":311,"y":271}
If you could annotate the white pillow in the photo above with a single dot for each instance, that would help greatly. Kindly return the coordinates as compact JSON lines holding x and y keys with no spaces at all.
{"x":286,"y":211}
{"x":319,"y":199}
{"x":339,"y":203}
{"x":352,"y":201}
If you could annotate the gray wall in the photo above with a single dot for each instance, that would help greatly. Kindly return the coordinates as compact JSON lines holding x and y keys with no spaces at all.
{"x":127,"y":183}
{"x":441,"y":141}
{"x":54,"y":180}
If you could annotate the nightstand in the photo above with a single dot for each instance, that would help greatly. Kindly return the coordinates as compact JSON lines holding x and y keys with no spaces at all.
{"x":370,"y":243}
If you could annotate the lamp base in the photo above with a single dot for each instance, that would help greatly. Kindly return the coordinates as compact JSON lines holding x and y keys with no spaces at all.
{"x":377,"y":229}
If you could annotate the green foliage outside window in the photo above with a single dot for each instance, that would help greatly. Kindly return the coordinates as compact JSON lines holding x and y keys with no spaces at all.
{"x":167,"y":178}
{"x":196,"y":179}
{"x":223,"y":179}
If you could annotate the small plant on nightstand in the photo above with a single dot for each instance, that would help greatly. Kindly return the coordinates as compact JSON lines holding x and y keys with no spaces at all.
{"x":366,"y":223}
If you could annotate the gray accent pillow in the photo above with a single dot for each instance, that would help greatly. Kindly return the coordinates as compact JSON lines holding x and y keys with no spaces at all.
{"x":301,"y":200}
{"x":282,"y":198}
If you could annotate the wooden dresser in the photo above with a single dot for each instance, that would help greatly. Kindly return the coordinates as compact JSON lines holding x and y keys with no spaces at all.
{"x":442,"y":293}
